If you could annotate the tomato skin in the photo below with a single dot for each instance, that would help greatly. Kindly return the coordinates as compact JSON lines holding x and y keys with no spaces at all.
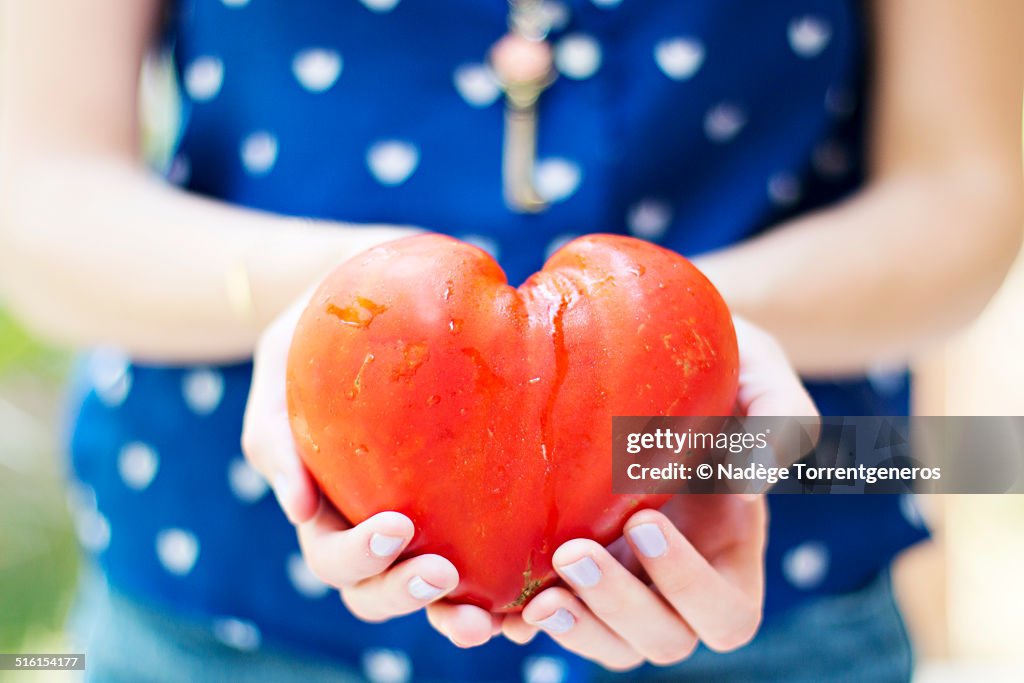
{"x":420,"y":381}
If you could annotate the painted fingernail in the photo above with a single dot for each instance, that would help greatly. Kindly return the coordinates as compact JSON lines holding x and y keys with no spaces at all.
{"x":584,"y":572}
{"x":421,"y":590}
{"x":649,"y":540}
{"x":385,"y":546}
{"x":559,"y":622}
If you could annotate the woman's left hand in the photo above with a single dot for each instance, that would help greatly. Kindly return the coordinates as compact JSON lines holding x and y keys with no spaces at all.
{"x":703,"y":556}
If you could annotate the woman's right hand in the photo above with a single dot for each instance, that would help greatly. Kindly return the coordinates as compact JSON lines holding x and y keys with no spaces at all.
{"x":357,"y":560}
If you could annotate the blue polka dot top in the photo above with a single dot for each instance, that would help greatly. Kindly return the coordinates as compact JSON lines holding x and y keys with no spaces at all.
{"x":691,"y":124}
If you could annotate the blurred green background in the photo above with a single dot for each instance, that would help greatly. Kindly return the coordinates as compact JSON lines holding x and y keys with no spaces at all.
{"x":38,"y":555}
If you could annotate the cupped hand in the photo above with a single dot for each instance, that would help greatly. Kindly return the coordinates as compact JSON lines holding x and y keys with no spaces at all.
{"x":690,"y":573}
{"x":357,"y":560}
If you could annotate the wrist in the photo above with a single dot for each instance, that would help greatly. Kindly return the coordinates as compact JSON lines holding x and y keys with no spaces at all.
{"x":732,"y":275}
{"x":282,"y":269}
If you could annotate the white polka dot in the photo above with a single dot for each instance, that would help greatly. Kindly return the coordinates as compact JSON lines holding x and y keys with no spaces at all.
{"x":723,"y":122}
{"x":317,"y":69}
{"x":177,"y":550}
{"x":557,"y":243}
{"x":649,"y":218}
{"x":886,"y":379}
{"x":577,"y":56}
{"x":203,"y":390}
{"x":679,"y":58}
{"x":203,"y":78}
{"x":180,"y":170}
{"x":387,"y":666}
{"x":392,"y":161}
{"x":607,"y":4}
{"x":784,"y":189}
{"x":137,"y":464}
{"x":303,"y":580}
{"x":110,"y":376}
{"x":235,"y":3}
{"x":911,"y":512}
{"x":831,"y":159}
{"x":476,"y":84}
{"x":544,"y":669}
{"x":91,"y":527}
{"x":81,"y":497}
{"x":247,"y":484}
{"x":380,"y":6}
{"x":237,"y":633}
{"x":259,"y":152}
{"x":556,"y":14}
{"x":805,"y":566}
{"x":93,"y":530}
{"x":809,"y":35}
{"x":486,"y":243}
{"x":557,"y":179}
{"x":840,"y":101}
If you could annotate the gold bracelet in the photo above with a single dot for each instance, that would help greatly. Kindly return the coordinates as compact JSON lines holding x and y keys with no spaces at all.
{"x":239,"y":290}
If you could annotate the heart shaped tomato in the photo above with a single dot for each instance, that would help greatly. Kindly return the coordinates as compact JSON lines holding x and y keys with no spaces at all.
{"x":420,"y":381}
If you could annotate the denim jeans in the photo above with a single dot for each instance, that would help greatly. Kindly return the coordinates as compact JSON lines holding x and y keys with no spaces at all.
{"x":858,"y":637}
{"x":127,"y":642}
{"x":847,"y":639}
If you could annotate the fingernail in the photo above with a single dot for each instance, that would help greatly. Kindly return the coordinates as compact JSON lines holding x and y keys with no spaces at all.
{"x":583,"y":572}
{"x":649,"y":540}
{"x":421,"y":590}
{"x":385,"y":546}
{"x":559,"y":622}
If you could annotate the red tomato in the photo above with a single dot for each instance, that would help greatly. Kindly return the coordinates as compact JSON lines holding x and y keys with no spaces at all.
{"x":420,"y":381}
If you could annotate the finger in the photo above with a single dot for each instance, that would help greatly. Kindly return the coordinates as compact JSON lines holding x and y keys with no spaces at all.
{"x":623,"y":602}
{"x":294,"y":488}
{"x":464,"y":625}
{"x":342,"y":556}
{"x":574,"y":627}
{"x":741,"y":563}
{"x":768,"y":383}
{"x":774,"y":402}
{"x":270,"y":449}
{"x":721,"y":602}
{"x":267,"y":440}
{"x":402,"y":589}
{"x":518,"y":631}
{"x":623,"y":554}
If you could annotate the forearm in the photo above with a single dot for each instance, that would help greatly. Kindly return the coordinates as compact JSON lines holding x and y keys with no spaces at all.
{"x":96,"y":250}
{"x":924,"y":245}
{"x":911,"y":257}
